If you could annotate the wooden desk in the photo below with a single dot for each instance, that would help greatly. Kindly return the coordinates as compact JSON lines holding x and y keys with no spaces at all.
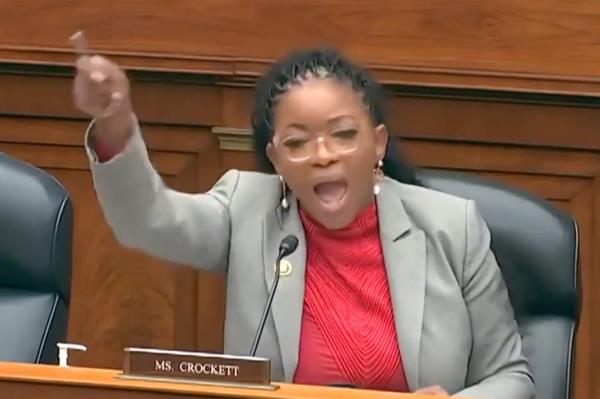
{"x":27,"y":381}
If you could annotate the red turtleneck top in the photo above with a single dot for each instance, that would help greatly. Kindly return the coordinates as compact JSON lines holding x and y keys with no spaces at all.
{"x":348,"y":333}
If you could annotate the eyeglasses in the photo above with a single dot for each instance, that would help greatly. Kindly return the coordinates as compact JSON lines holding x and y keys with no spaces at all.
{"x":300,"y":148}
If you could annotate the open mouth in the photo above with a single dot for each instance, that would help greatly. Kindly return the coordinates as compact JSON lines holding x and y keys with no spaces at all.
{"x":331,"y":193}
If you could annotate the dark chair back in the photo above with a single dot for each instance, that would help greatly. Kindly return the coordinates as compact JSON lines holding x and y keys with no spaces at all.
{"x":536,"y":246}
{"x":36,"y":218}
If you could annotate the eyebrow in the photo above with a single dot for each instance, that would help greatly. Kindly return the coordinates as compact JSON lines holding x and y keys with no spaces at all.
{"x":298,"y":126}
{"x":335,"y":119}
{"x":330,"y":122}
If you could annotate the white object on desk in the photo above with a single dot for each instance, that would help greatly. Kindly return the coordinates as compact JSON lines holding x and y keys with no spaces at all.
{"x":63,"y":352}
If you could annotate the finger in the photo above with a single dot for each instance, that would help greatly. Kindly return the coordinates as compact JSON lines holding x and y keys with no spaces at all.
{"x":99,"y":69}
{"x":97,"y":76}
{"x":79,"y":41}
{"x":87,"y":93}
{"x":104,"y":69}
{"x":96,"y":67}
{"x":98,"y":87}
{"x":86,"y":82}
{"x":82,"y":64}
{"x":115,"y":103}
{"x":116,"y":97}
{"x":100,"y":100}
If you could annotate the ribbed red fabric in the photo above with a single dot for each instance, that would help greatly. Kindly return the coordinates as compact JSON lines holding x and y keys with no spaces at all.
{"x":348,"y":332}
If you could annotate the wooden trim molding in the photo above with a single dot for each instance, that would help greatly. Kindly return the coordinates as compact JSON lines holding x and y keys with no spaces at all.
{"x":233,"y":139}
{"x":244,"y":69}
{"x":394,"y":83}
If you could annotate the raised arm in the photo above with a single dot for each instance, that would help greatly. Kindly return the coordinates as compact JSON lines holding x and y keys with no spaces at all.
{"x":145,"y":214}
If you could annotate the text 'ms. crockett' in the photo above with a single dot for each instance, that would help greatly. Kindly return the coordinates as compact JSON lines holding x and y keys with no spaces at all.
{"x":202,"y":367}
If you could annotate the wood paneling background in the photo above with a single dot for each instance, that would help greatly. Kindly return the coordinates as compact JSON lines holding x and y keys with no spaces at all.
{"x":541,"y":44}
{"x":502,"y":88}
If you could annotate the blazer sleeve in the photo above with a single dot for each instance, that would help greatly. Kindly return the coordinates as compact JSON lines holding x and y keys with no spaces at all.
{"x":497,"y":368}
{"x":144,"y":214}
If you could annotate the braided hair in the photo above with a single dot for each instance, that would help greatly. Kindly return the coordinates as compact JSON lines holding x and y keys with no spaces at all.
{"x":300,"y":65}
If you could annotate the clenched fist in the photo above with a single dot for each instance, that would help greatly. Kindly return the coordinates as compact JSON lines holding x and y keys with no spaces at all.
{"x":101,"y":90}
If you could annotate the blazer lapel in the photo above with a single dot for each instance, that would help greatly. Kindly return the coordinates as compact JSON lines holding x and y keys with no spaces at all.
{"x":288,"y":302}
{"x":404,"y":251}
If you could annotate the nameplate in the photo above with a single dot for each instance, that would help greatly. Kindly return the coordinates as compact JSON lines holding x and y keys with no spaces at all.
{"x":212,"y":368}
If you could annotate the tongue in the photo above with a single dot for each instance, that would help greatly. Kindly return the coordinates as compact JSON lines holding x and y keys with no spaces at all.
{"x":330,"y":192}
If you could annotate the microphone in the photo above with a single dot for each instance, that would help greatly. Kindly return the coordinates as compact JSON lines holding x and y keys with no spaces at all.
{"x":287,"y":246}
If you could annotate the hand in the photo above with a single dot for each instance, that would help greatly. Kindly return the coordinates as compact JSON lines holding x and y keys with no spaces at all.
{"x":101,"y":90}
{"x":435,"y":390}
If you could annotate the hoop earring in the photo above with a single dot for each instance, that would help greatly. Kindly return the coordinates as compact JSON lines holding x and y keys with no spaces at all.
{"x":284,"y":201}
{"x":378,"y":177}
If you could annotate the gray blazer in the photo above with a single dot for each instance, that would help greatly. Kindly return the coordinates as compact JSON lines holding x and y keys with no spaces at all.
{"x":454,"y":322}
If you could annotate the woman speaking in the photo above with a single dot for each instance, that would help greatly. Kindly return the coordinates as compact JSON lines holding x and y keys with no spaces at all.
{"x":392,"y":286}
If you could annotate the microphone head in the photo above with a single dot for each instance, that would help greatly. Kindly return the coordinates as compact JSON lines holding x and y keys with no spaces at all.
{"x":288,"y":245}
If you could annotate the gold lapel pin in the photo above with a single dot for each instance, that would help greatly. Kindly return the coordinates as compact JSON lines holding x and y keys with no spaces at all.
{"x":285,"y":268}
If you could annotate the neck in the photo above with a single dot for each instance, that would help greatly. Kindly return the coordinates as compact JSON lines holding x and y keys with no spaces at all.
{"x":364,"y":220}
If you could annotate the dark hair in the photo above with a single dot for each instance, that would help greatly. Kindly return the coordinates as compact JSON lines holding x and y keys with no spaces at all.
{"x":296,"y":65}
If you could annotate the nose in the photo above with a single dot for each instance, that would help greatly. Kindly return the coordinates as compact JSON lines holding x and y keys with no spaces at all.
{"x":323,"y":155}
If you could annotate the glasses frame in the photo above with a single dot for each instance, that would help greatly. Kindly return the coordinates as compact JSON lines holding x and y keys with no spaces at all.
{"x":315,"y":142}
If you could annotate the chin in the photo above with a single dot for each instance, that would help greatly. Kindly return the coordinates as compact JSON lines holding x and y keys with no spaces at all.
{"x":334,"y":226}
{"x":333,"y":215}
{"x":336,"y":221}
